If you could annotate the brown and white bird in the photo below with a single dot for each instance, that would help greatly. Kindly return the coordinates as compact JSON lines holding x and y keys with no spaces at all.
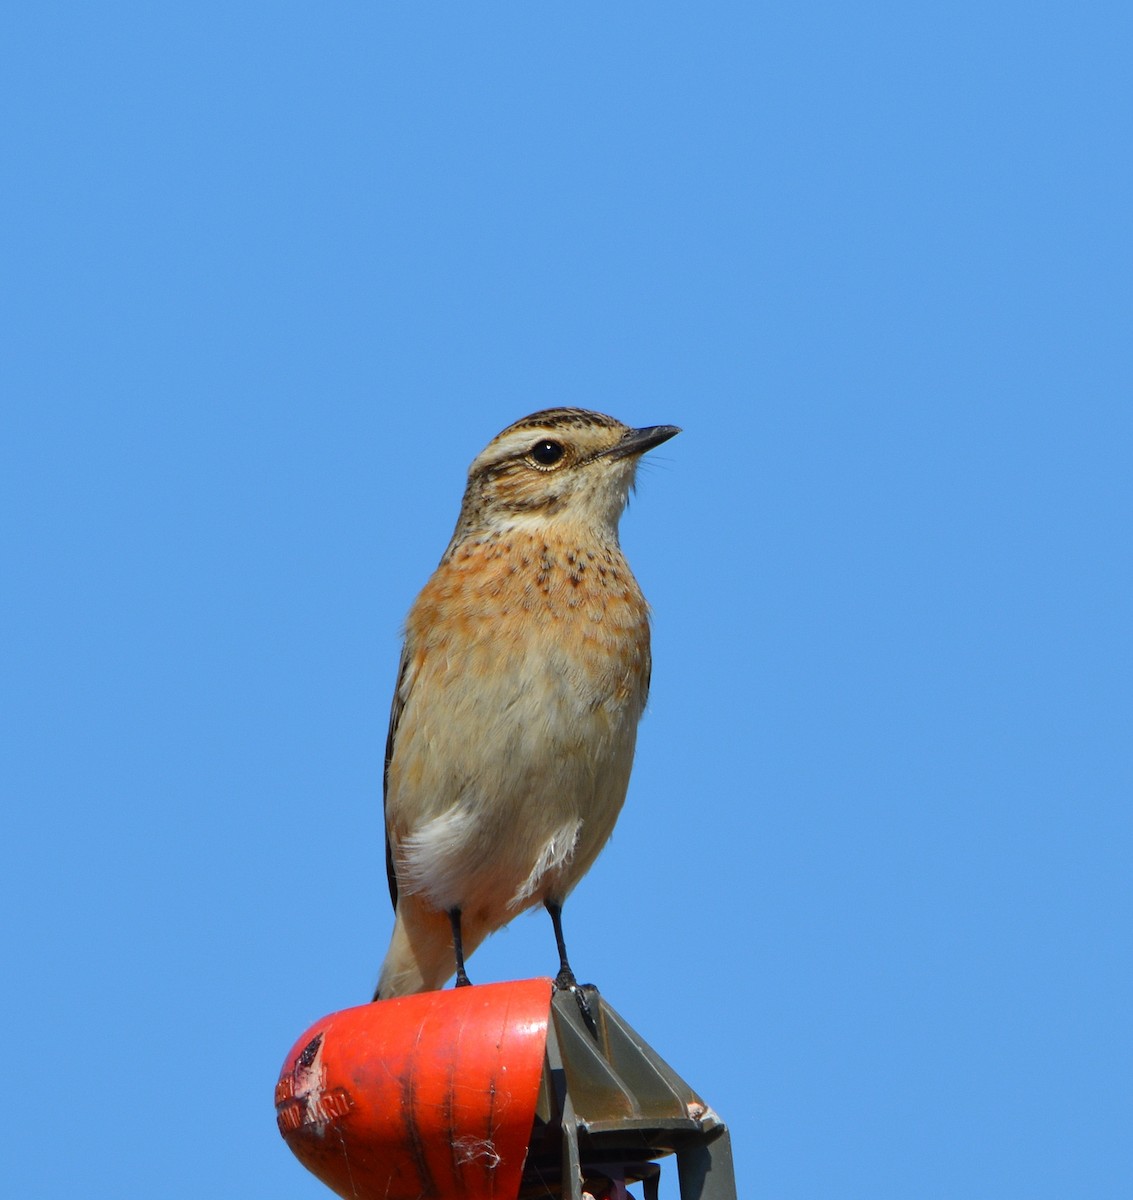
{"x":523,"y":676}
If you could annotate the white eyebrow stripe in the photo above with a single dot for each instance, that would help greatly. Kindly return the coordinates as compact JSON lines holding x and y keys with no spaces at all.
{"x":513,"y":445}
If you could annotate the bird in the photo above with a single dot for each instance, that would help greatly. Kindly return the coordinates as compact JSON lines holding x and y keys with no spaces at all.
{"x":524,"y":671}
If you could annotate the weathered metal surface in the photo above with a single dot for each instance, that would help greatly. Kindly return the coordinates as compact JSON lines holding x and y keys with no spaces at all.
{"x":609,"y":1106}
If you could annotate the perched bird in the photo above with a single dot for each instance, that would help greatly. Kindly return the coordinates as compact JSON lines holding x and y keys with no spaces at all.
{"x":523,"y":676}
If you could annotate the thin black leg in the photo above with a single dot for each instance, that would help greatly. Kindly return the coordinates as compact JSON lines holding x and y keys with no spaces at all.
{"x":565,"y":978}
{"x":462,"y":979}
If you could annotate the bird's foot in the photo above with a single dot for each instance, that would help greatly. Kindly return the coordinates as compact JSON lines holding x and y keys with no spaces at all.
{"x":462,"y":979}
{"x":565,"y":982}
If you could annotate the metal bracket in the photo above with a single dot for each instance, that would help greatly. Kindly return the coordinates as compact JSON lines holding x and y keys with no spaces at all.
{"x":609,"y":1106}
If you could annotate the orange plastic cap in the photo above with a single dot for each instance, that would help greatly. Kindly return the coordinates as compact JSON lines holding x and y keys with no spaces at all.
{"x":427,"y":1095}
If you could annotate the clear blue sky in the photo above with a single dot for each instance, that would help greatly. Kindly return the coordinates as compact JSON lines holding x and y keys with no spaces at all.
{"x":274,"y":273}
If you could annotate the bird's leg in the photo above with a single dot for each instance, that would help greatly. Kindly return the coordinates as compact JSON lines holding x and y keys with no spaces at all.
{"x":565,"y":980}
{"x":462,"y":979}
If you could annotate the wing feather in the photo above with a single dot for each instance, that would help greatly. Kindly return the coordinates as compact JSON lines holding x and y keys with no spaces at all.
{"x":396,"y":709}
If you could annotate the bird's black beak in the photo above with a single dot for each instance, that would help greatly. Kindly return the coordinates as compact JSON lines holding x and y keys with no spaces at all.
{"x":638,"y":441}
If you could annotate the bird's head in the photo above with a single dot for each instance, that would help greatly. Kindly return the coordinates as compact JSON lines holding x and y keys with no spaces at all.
{"x":561,"y":464}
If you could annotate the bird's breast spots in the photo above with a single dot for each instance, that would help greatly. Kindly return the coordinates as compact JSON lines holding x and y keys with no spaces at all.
{"x":493,"y":547}
{"x":538,"y":577}
{"x":576,"y":567}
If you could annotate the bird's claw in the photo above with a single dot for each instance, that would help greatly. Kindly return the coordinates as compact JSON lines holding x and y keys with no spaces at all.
{"x":566,"y":982}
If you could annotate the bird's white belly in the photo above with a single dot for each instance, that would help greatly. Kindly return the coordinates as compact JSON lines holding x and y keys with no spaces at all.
{"x":504,"y":789}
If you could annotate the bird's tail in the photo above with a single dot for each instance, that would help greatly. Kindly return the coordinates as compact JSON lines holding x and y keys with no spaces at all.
{"x":420,"y":957}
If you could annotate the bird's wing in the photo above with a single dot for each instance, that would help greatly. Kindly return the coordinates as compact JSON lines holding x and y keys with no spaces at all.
{"x":391,"y":738}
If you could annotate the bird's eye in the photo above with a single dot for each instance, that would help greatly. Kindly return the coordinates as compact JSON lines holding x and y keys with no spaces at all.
{"x":546,"y":453}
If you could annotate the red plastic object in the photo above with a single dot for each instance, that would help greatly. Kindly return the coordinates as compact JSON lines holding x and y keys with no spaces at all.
{"x":427,"y":1095}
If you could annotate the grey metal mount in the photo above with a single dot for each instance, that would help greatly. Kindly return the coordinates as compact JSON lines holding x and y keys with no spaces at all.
{"x":609,"y":1106}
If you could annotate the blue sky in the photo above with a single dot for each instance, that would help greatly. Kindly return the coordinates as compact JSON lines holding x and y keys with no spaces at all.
{"x":274,"y":274}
